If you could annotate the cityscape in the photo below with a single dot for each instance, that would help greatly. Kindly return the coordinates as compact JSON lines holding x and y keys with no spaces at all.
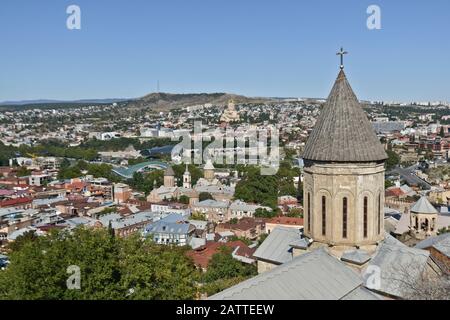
{"x":227,"y":196}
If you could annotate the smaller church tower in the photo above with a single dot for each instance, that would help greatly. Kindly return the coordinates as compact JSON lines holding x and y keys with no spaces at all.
{"x":423,"y":219}
{"x":208,"y":171}
{"x":187,"y":178}
{"x":169,"y":178}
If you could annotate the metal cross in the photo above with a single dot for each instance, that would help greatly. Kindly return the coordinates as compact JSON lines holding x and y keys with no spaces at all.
{"x":342,"y":53}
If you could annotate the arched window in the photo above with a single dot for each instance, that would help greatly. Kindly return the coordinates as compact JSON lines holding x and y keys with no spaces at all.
{"x":309,"y":211}
{"x":324,"y":215}
{"x":344,"y":217}
{"x":379,"y":213}
{"x":366,"y":200}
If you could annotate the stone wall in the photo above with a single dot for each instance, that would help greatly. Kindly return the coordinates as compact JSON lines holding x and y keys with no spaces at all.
{"x":336,"y":181}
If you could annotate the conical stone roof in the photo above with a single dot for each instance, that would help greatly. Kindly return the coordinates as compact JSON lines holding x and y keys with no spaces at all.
{"x":169,"y":172}
{"x":423,"y":206}
{"x":342,"y":132}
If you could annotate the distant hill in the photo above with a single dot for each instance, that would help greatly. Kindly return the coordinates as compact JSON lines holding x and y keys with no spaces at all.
{"x":168,"y":101}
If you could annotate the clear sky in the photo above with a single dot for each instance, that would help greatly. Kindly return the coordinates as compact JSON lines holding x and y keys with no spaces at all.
{"x":251,"y":47}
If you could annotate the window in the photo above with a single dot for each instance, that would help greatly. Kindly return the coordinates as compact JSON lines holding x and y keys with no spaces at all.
{"x":324,"y":215}
{"x":309,"y":212}
{"x":379,"y":213}
{"x":344,"y":217}
{"x":366,"y":200}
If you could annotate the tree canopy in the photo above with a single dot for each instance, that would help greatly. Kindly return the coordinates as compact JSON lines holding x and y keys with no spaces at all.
{"x":265,"y":190}
{"x":110,"y":268}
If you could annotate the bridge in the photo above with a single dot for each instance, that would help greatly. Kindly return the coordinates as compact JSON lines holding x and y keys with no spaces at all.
{"x":128,"y":172}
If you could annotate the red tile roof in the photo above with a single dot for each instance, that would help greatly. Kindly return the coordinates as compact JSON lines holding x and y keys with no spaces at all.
{"x":15,"y":202}
{"x":203,"y":256}
{"x":286,"y":220}
{"x":394,"y":192}
{"x":243,"y":224}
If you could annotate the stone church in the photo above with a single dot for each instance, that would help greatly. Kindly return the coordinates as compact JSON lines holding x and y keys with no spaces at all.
{"x":344,"y":174}
{"x":343,"y":251}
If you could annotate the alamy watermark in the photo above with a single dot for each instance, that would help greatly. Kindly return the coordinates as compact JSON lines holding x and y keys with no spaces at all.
{"x":374,"y":19}
{"x":250,"y":146}
{"x":372,"y":277}
{"x":74,"y":280}
{"x":73,"y":21}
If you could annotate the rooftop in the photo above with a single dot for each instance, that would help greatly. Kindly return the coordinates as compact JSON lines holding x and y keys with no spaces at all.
{"x":311,"y":276}
{"x":423,"y":206}
{"x":277,"y":246}
{"x":342,"y":132}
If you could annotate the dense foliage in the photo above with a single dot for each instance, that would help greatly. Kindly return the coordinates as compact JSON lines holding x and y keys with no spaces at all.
{"x":205,"y":196}
{"x":265,"y":190}
{"x":96,"y":170}
{"x":111,"y":268}
{"x":225,"y":271}
{"x":119,"y":144}
{"x":87,"y":151}
{"x":145,"y":182}
{"x":393,"y":159}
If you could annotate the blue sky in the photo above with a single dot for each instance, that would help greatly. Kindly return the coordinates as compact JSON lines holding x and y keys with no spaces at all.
{"x":250,"y":47}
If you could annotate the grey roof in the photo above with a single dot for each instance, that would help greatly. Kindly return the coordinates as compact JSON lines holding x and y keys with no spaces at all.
{"x":197,"y":242}
{"x":212,"y":203}
{"x":362,"y":294}
{"x":440,"y":243}
{"x":300,"y":243}
{"x":387,"y":127}
{"x":169,"y":172}
{"x":358,"y":257}
{"x":390,"y":240}
{"x":423,"y":206}
{"x":399,"y":266}
{"x":170,"y":225}
{"x":277,"y":246}
{"x":312,"y":276}
{"x":342,"y":132}
{"x":403,"y":224}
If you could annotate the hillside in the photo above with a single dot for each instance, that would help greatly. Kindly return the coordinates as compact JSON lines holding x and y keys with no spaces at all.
{"x":168,"y":101}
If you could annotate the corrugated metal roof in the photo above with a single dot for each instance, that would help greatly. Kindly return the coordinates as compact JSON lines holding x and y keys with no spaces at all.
{"x":276,"y":247}
{"x":342,"y":132}
{"x":358,"y":257}
{"x":399,"y":266}
{"x":312,"y":276}
{"x":362,"y":293}
{"x":441,"y":243}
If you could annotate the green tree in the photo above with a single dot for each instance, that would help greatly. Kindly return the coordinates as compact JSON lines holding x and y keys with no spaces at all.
{"x":205,"y":196}
{"x":388,"y":184}
{"x":184,"y":199}
{"x":264,"y":213}
{"x":224,"y":266}
{"x":393,"y":159}
{"x":295,"y":213}
{"x":23,"y":172}
{"x":16,"y":245}
{"x":195,"y":172}
{"x":110,"y":268}
{"x":198,"y":216}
